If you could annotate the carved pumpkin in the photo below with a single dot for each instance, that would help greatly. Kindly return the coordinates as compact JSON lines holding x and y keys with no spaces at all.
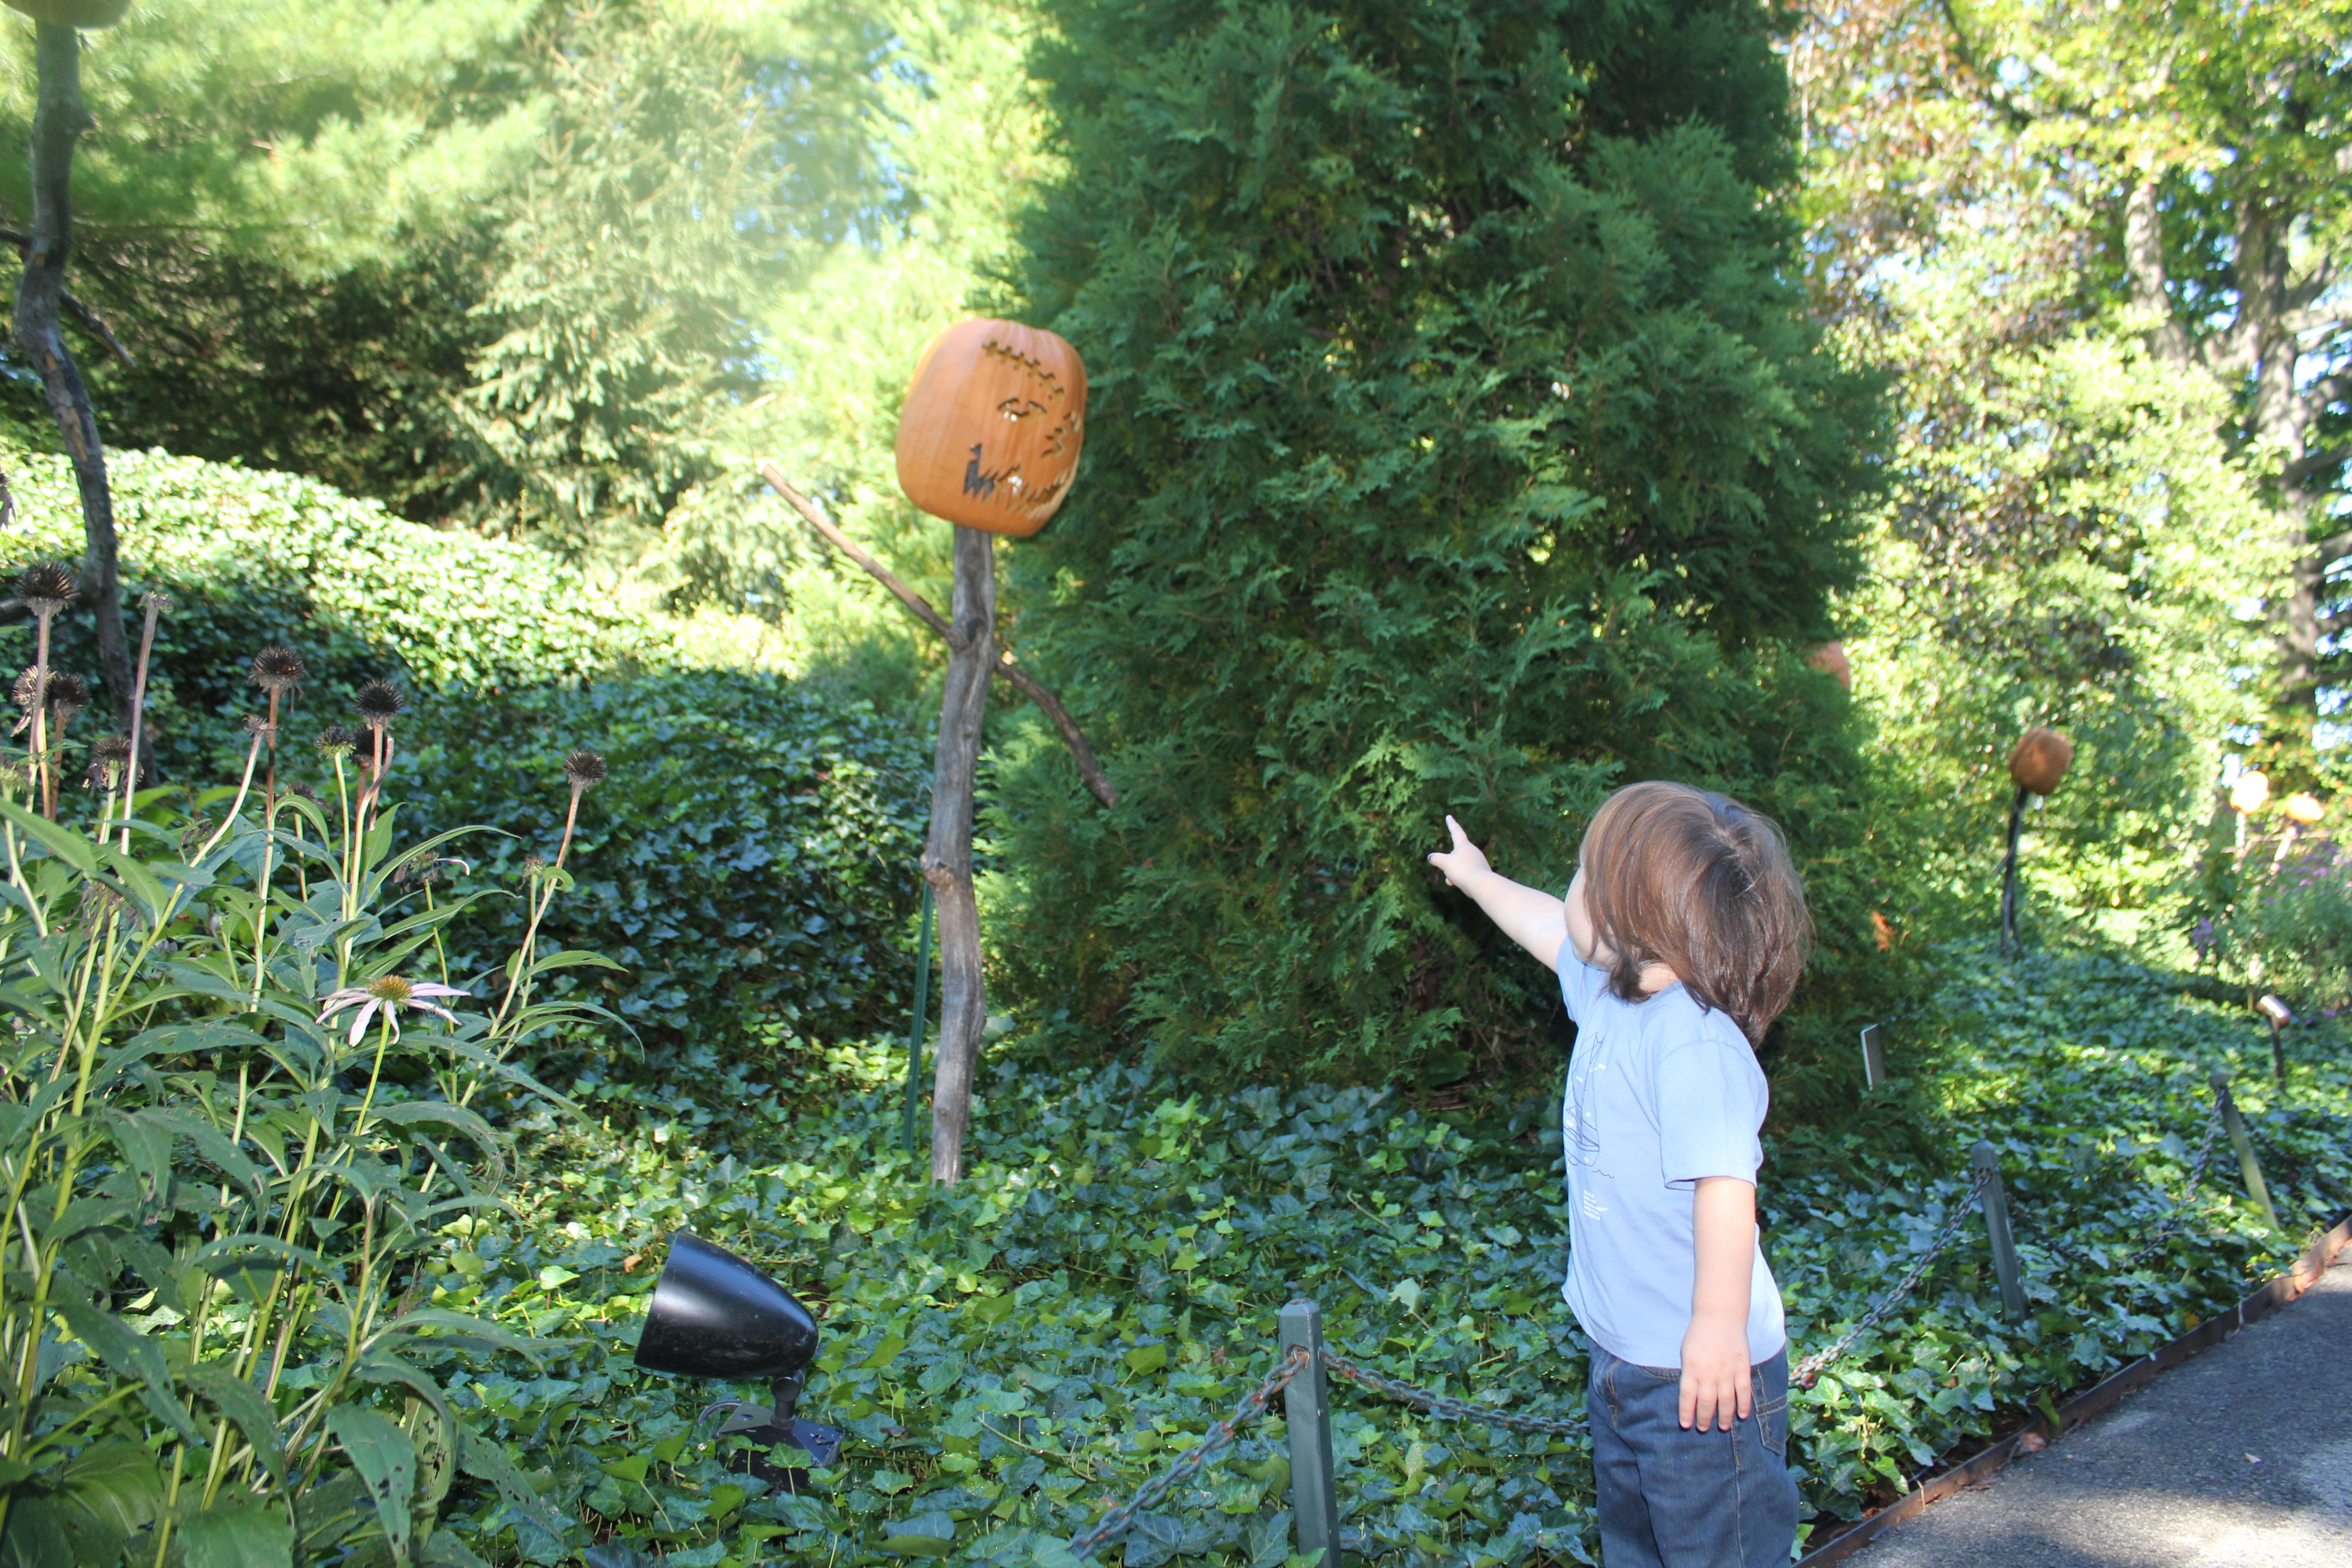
{"x":990,"y":433}
{"x":2041,"y":760}
{"x":1831,"y":660}
{"x":2250,"y":791}
{"x":72,"y":13}
{"x":2303,"y":808}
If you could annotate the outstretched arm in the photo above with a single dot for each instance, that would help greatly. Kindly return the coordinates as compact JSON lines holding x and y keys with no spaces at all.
{"x":1528,"y":916}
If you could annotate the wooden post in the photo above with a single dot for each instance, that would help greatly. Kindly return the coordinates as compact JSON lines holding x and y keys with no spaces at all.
{"x":2004,"y":1245}
{"x":922,"y":1002}
{"x":946,"y":853}
{"x":2248,"y":1166}
{"x":1306,"y":1400}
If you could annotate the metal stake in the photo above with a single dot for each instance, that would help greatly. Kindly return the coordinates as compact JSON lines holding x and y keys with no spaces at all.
{"x":922,"y":1002}
{"x":2248,"y":1166}
{"x":1314,"y":1487}
{"x":2004,"y":1247}
{"x":2008,"y":875}
{"x":1873,"y":1060}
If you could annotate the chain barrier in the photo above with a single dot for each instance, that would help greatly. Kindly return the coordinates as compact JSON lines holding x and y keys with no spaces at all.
{"x":1803,"y":1375}
{"x":1119,"y":1520}
{"x":1445,"y":1406}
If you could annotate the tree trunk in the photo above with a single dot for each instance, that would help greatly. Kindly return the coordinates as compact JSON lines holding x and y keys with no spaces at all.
{"x":2280,"y":417}
{"x":59,"y":121}
{"x":946,"y":853}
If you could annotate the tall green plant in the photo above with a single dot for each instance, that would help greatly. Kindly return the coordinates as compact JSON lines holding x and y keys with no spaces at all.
{"x":232,"y":1111}
{"x":1455,"y":444}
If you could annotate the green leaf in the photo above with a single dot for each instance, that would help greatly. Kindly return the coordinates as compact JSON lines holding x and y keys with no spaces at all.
{"x":36,"y":1535}
{"x":482,"y":1458}
{"x":927,"y":1534}
{"x":242,"y":1403}
{"x":136,"y":1357}
{"x":237,"y":1532}
{"x":386,"y":1458}
{"x":115,"y":1489}
{"x":1145,"y":1359}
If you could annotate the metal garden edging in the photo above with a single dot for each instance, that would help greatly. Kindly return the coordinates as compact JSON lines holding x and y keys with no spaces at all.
{"x":2095,"y":1401}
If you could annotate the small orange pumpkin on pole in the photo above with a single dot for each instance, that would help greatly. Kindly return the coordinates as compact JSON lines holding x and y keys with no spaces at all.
{"x":2037,"y":765}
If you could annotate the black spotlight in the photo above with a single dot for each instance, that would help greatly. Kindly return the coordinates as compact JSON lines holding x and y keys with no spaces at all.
{"x":715,"y":1315}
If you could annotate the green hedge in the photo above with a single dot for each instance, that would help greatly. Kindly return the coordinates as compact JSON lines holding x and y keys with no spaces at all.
{"x":253,"y":558}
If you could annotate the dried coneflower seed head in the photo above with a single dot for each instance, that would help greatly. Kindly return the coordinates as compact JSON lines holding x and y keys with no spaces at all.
{"x":258,"y":724}
{"x":334,"y":740}
{"x":46,"y":587}
{"x":278,"y":669}
{"x":305,"y":791}
{"x":157,"y":600}
{"x":379,"y":702}
{"x":584,"y":768}
{"x":109,"y":755}
{"x":69,"y":697}
{"x":29,"y":687}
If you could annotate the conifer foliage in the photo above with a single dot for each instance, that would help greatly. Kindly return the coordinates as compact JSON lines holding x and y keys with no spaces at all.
{"x":1457,"y":442}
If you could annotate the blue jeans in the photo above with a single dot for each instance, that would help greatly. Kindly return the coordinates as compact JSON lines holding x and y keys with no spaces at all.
{"x":1675,"y":1498}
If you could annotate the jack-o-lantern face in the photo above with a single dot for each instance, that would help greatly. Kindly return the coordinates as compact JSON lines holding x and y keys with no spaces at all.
{"x":990,"y":433}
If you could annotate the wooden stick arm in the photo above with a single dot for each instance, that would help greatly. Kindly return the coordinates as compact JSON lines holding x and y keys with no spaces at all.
{"x":1006,"y":669}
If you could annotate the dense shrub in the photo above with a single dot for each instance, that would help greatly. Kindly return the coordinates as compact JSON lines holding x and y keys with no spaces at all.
{"x":750,"y":857}
{"x":2287,"y":923}
{"x":1457,"y":444}
{"x":252,"y":558}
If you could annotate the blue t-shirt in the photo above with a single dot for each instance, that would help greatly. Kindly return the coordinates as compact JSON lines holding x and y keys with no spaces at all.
{"x":1660,"y":1093}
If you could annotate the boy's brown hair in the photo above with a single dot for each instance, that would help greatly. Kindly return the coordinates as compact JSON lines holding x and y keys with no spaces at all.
{"x":1701,"y":884}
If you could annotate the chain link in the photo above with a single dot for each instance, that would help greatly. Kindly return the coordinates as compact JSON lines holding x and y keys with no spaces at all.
{"x":2195,"y":1175}
{"x":1445,"y":1406}
{"x":1118,"y":1520}
{"x":1803,"y":1373}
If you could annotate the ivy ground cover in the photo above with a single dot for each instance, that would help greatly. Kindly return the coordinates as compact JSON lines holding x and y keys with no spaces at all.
{"x":1013,"y":1356}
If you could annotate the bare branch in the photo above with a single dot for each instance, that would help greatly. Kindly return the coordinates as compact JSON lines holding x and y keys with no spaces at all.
{"x":2312,"y":463}
{"x":1006,"y":670}
{"x":2332,"y":548}
{"x":81,"y":313}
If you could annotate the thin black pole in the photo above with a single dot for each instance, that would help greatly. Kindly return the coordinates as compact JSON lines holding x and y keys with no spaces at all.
{"x":2008,"y":875}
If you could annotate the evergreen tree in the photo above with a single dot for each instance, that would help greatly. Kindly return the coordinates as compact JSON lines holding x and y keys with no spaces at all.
{"x":1457,"y":441}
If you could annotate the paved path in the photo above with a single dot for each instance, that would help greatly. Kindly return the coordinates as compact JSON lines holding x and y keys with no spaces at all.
{"x":2243,"y":1455}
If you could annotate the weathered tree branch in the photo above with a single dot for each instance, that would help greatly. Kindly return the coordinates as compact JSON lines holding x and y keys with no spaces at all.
{"x":2144,"y":259}
{"x":59,"y":121}
{"x":1006,"y":670}
{"x":2333,"y":548}
{"x":89,"y":319}
{"x":2312,"y":463}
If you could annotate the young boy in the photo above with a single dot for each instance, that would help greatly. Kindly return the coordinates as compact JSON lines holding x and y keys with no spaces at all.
{"x":1680,"y":939}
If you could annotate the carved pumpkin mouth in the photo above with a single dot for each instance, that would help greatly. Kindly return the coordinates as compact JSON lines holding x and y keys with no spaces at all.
{"x":991,"y":432}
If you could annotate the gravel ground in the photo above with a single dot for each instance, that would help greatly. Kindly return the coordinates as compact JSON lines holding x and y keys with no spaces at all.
{"x":2241,"y":1456}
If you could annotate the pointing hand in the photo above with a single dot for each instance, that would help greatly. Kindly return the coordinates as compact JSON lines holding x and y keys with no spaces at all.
{"x":1463,"y":861}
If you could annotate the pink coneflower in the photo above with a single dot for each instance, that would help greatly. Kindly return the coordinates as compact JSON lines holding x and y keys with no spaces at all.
{"x":390,"y":992}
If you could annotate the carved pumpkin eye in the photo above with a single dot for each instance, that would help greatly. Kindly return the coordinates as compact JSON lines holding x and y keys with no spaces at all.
{"x":990,"y":433}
